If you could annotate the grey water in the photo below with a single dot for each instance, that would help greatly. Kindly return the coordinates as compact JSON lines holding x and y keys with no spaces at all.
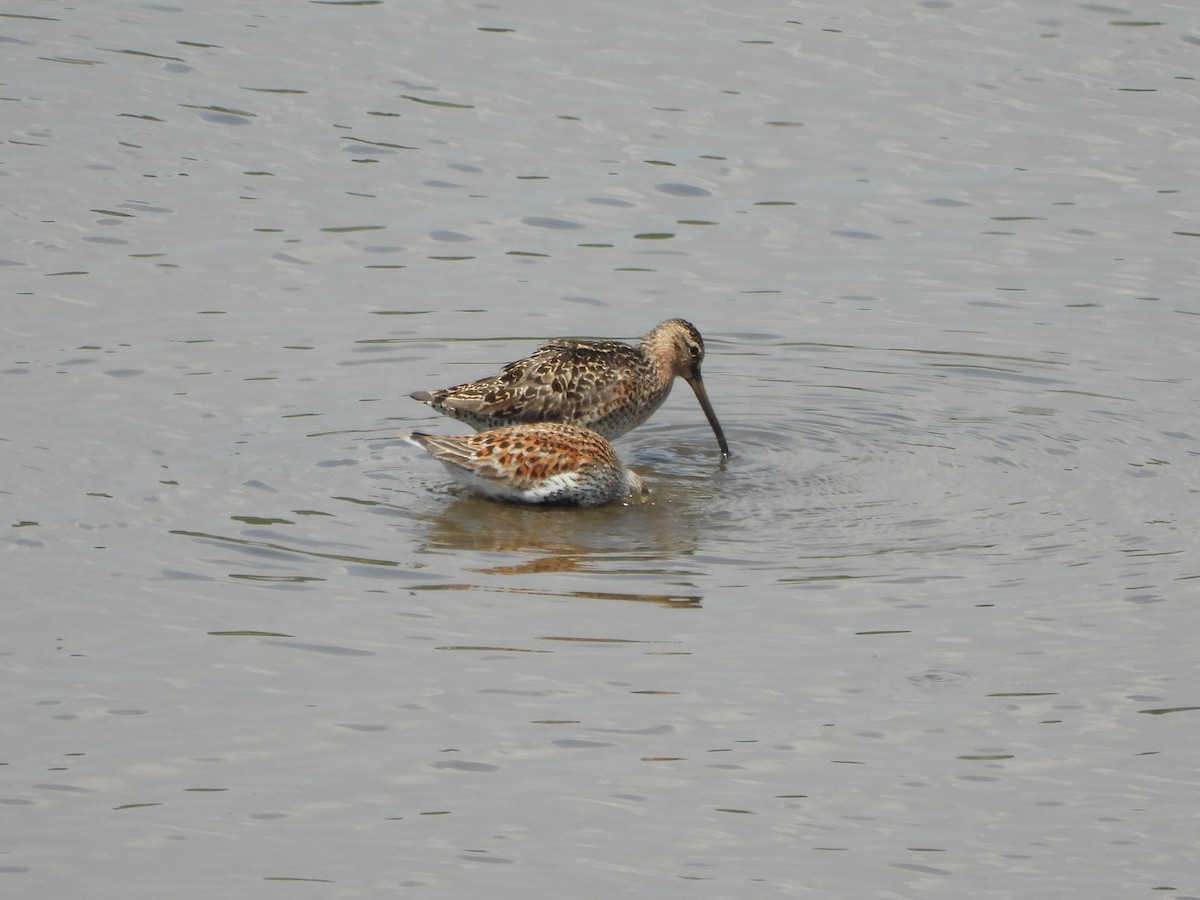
{"x":929,"y":632}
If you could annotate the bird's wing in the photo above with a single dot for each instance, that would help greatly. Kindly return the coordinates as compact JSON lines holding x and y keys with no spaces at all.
{"x":556,"y":383}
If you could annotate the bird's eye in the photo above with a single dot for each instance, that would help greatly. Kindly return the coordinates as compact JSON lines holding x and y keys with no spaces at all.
{"x":694,"y":350}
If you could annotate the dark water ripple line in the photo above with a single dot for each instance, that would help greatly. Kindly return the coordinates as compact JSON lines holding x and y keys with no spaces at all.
{"x":274,"y":548}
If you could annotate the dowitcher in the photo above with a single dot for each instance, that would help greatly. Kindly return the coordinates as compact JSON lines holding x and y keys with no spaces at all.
{"x":608,"y":386}
{"x":541,"y":462}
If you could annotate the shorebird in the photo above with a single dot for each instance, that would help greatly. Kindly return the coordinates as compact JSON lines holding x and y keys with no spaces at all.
{"x":541,"y":462}
{"x":608,"y":386}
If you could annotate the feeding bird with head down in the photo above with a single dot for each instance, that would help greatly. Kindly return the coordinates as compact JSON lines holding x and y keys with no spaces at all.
{"x":608,"y":386}
{"x":540,"y":462}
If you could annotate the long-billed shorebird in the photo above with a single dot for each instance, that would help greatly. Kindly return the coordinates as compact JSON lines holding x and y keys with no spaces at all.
{"x":608,"y":386}
{"x":541,"y":462}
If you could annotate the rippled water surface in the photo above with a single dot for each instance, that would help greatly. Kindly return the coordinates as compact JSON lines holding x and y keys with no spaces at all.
{"x":930,"y":632}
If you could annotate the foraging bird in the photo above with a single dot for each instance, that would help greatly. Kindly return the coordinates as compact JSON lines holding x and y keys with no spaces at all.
{"x":608,"y":386}
{"x":541,"y":462}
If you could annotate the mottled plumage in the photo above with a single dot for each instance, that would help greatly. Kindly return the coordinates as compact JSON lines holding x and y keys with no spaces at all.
{"x":608,"y":386}
{"x":544,"y":462}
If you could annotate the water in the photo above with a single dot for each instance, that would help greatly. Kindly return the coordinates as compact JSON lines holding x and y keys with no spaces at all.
{"x":927,"y":633}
